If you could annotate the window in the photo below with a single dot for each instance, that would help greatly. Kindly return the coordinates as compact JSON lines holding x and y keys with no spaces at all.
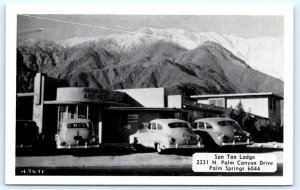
{"x":178,"y":125}
{"x":208,"y":126}
{"x":194,"y":125}
{"x":73,"y":111}
{"x":228,"y":123}
{"x":132,"y":118}
{"x":82,"y":112}
{"x":270,"y":104}
{"x":153,"y":126}
{"x":149,"y":126}
{"x":177,"y":115}
{"x":78,"y":125}
{"x":159,"y":127}
{"x":220,"y":102}
{"x":201,"y":125}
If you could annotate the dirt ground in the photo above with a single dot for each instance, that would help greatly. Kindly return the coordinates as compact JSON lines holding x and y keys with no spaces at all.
{"x":119,"y":157}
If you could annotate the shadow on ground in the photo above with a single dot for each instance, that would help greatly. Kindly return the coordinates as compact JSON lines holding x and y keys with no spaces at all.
{"x":119,"y":150}
{"x":101,"y":151}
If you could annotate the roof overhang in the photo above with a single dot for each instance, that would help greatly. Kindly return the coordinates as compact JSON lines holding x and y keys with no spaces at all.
{"x":236,"y":95}
{"x":105,"y":103}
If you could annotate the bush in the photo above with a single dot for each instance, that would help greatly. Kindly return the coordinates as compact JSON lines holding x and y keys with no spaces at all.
{"x":247,"y":121}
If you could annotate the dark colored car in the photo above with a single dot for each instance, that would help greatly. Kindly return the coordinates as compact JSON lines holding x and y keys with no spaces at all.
{"x":27,"y":133}
{"x":221,"y":132}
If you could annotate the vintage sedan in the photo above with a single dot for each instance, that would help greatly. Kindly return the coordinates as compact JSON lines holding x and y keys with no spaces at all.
{"x":76,"y":133}
{"x":221,"y":132}
{"x":163,"y":134}
{"x":27,"y":133}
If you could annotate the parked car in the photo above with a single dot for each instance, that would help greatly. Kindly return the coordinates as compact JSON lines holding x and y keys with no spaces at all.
{"x":163,"y":134}
{"x":76,"y":133}
{"x":221,"y":132}
{"x":27,"y":133}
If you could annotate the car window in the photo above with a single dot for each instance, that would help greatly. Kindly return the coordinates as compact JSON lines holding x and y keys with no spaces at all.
{"x":208,"y":126}
{"x":195,"y":125}
{"x":201,"y":125}
{"x":159,"y":127}
{"x":153,"y":126}
{"x":228,"y":123}
{"x":178,"y":125}
{"x":149,"y":126}
{"x":77,"y":125}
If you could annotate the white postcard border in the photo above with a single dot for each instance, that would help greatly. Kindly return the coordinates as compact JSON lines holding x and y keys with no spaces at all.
{"x":10,"y":94}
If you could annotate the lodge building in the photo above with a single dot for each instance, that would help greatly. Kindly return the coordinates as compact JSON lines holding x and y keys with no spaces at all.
{"x":115,"y":113}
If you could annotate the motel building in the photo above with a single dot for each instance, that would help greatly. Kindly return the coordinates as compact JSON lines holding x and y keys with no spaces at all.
{"x":266,"y":106}
{"x":116,"y":114}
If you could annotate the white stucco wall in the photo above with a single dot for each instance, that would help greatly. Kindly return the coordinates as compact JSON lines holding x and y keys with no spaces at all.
{"x":147,"y":97}
{"x":257,"y":106}
{"x":174,"y":101}
{"x":203,"y":101}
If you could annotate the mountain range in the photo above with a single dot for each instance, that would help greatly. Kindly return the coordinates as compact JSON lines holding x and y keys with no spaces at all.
{"x":137,"y":61}
{"x":262,"y":53}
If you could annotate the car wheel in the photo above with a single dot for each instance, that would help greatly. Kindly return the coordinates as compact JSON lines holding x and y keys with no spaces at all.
{"x":159,"y":149}
{"x":241,"y":148}
{"x":208,"y":142}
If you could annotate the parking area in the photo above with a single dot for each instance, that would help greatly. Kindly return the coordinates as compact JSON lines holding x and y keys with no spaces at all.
{"x":124,"y":161}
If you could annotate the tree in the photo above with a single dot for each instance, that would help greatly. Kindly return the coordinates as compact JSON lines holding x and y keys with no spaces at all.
{"x":238,"y":114}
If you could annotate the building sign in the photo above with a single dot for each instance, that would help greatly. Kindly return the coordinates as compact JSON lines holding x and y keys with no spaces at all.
{"x":73,"y":94}
{"x":95,"y":94}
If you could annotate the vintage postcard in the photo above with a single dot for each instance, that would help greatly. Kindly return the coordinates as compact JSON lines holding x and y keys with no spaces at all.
{"x":149,"y":95}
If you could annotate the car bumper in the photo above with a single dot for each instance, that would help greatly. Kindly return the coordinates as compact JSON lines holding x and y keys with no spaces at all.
{"x":238,"y":143}
{"x":178,"y":146}
{"x":78,"y":146}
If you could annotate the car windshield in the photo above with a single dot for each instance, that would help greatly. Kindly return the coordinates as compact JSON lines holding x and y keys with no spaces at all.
{"x":228,"y":123}
{"x":178,"y":125}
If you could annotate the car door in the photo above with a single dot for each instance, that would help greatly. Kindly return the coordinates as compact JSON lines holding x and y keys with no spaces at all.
{"x":160,"y":136}
{"x":195,"y":126}
{"x":145,"y":138}
{"x":153,"y":135}
{"x":208,"y":127}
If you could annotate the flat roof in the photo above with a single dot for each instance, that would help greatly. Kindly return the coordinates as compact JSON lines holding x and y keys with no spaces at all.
{"x":117,"y":108}
{"x":236,"y":95}
{"x":204,"y":107}
{"x":108,"y":103}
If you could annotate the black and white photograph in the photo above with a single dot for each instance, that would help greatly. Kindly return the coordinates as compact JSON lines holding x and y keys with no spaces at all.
{"x":134,"y":94}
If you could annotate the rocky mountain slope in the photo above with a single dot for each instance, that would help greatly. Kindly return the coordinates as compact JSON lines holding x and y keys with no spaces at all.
{"x":262,"y":53}
{"x":208,"y":68}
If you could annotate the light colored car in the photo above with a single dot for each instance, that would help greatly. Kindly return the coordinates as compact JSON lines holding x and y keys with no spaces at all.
{"x":76,"y":133}
{"x":221,"y":132}
{"x":163,"y":134}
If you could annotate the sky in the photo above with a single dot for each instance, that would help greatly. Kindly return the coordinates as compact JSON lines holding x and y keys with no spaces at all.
{"x":60,"y":27}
